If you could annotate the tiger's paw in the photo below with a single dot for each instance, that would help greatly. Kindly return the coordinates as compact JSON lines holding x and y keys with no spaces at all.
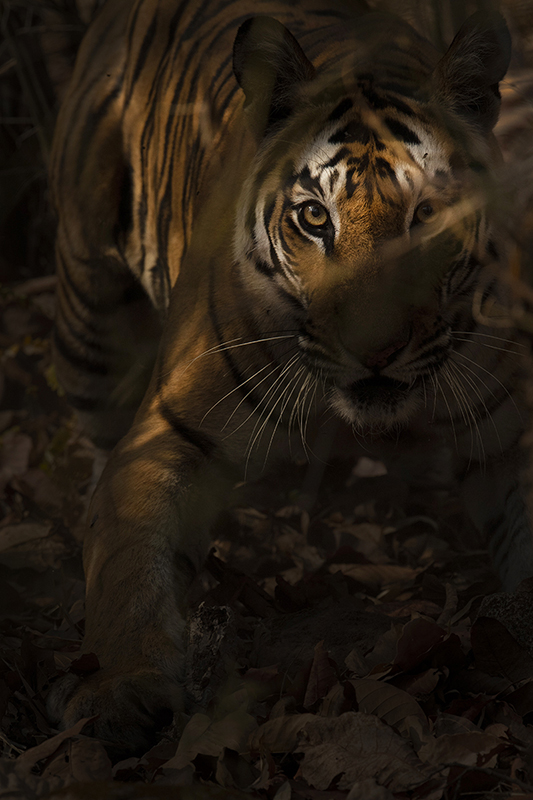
{"x":129,"y":708}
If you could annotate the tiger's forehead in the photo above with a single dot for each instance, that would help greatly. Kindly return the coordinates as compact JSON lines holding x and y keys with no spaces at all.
{"x":386,"y":144}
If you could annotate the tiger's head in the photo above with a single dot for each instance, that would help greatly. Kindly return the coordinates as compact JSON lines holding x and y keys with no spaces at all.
{"x":363,"y":223}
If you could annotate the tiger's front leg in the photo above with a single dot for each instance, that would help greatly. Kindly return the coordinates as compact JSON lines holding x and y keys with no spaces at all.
{"x":494,"y":497}
{"x":147,"y":534}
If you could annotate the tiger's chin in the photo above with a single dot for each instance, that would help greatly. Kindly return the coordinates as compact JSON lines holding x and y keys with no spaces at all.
{"x":377,"y":405}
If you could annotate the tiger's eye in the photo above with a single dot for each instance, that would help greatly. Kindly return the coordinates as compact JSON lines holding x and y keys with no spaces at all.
{"x":423,"y":213}
{"x":315,"y":214}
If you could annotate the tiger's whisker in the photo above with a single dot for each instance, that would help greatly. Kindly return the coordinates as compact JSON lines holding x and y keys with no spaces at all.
{"x":489,"y":346}
{"x":471,"y":412}
{"x":490,"y":374}
{"x":265,"y":400}
{"x":245,"y":397}
{"x":264,"y":419}
{"x":489,"y":336}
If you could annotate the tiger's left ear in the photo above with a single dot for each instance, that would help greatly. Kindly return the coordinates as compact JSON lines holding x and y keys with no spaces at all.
{"x":269,"y":65}
{"x":466,"y":79}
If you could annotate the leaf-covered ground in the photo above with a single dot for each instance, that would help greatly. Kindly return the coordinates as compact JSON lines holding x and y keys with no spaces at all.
{"x":345,"y":652}
{"x":350,"y":649}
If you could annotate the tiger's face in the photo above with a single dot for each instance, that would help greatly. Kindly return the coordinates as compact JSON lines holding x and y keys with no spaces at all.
{"x":364,"y":227}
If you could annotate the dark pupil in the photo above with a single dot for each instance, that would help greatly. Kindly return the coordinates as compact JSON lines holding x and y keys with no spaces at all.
{"x":427,"y":210}
{"x":316,"y":211}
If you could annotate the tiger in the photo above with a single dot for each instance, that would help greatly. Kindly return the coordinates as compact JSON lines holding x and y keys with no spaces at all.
{"x":272,"y":216}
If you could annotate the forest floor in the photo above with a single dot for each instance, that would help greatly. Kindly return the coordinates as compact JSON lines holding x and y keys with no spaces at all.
{"x":357,"y":649}
{"x":346,"y":652}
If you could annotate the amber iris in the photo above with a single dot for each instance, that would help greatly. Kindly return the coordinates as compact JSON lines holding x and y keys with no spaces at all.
{"x":314,"y":214}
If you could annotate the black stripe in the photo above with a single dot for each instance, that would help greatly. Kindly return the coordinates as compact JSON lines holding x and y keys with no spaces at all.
{"x":343,"y":152}
{"x":125,"y":205}
{"x":294,"y":301}
{"x":89,"y":132}
{"x":68,"y":313}
{"x":306,"y":181}
{"x":354,"y":132}
{"x":388,"y":200}
{"x":492,"y":250}
{"x":224,"y":66}
{"x":170,"y":48}
{"x":160,"y":283}
{"x":351,"y":185}
{"x":384,"y":170}
{"x":174,"y":125}
{"x":264,"y":268}
{"x":403,"y":108}
{"x":341,"y":109}
{"x":86,"y":336}
{"x":133,"y":23}
{"x":372,"y":98}
{"x":97,"y":306}
{"x":196,"y":21}
{"x":401,"y":131}
{"x":249,"y":397}
{"x":360,"y":162}
{"x":86,"y":364}
{"x":142,"y":55}
{"x":397,"y":88}
{"x":200,"y":441}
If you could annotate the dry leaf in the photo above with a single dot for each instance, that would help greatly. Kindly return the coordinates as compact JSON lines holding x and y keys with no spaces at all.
{"x":280,"y":735}
{"x":136,"y":791}
{"x":80,"y":760}
{"x":420,"y":685}
{"x":521,"y":699}
{"x":13,"y":535}
{"x":321,"y":678}
{"x":369,"y":790}
{"x":451,"y":724}
{"x":376,"y":576}
{"x":356,"y":747}
{"x":46,"y":749}
{"x":498,"y":653}
{"x":450,"y":606}
{"x":234,"y":771}
{"x":394,"y":706}
{"x":284,"y":792}
{"x":14,"y":456}
{"x":469,"y":749}
{"x":356,"y":663}
{"x":419,"y":637}
{"x":37,"y":485}
{"x":336,"y":701}
{"x":384,"y":651}
{"x":208,"y":737}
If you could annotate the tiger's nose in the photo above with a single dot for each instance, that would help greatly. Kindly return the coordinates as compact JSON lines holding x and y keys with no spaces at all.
{"x":384,"y":357}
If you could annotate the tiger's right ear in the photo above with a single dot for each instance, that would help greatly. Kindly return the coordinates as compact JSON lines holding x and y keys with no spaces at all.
{"x":466,"y":78}
{"x":269,"y":65}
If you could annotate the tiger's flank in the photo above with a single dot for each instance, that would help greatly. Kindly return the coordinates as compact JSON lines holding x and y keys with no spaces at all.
{"x":271,"y":213}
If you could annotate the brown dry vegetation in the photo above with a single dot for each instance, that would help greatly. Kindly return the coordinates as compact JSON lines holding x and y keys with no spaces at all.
{"x":345,"y":651}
